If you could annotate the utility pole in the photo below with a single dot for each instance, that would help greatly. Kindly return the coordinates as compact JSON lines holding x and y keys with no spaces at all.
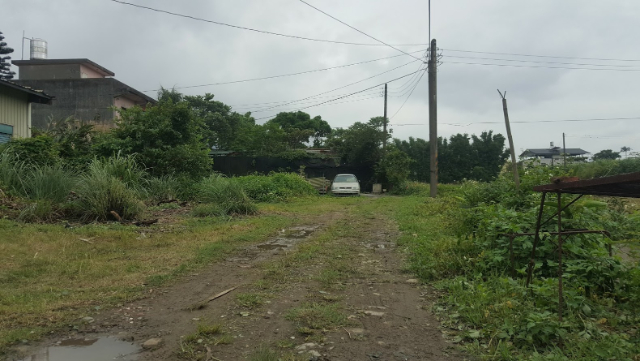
{"x":564,"y":151}
{"x":384,"y":142}
{"x":433,"y":120}
{"x":516,"y":177}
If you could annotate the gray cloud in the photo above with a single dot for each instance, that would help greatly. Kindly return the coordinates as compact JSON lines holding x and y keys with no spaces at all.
{"x":147,"y":49}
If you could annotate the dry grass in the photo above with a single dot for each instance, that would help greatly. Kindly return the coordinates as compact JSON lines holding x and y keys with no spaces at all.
{"x":51,"y":275}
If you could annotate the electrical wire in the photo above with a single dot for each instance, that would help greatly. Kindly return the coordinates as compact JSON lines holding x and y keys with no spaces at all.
{"x":252,"y":29}
{"x":409,"y":96}
{"x":529,"y":122}
{"x":358,"y":30}
{"x":284,"y":75}
{"x":541,"y":56}
{"x":346,"y":96}
{"x":344,"y":86}
{"x":374,"y":94}
{"x":541,"y":67}
{"x":543,"y":62}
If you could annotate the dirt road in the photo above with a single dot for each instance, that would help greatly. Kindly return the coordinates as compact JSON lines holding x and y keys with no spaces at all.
{"x":330,"y":288}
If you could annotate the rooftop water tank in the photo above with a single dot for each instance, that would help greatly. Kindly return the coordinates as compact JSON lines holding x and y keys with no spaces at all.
{"x":38,"y":49}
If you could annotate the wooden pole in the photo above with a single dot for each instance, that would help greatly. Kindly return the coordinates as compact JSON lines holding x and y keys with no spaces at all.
{"x":433,"y":121}
{"x":516,"y":177}
{"x":564,"y":151}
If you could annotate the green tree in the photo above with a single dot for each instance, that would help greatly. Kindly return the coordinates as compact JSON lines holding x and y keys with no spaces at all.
{"x":223,"y":126}
{"x":625,"y":150}
{"x":5,"y":65}
{"x":394,"y":167}
{"x":301,"y":127}
{"x":360,"y":144}
{"x":606,"y":154}
{"x":166,"y":138}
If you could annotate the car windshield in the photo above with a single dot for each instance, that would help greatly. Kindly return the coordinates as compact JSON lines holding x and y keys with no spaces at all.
{"x":345,"y":178}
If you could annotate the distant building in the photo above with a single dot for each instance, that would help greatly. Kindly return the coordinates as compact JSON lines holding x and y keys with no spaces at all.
{"x":82,"y":89}
{"x":552,"y":155}
{"x":16,"y":109}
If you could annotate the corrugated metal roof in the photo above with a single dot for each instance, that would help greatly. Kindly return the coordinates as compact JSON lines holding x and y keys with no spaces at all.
{"x":553,"y":151}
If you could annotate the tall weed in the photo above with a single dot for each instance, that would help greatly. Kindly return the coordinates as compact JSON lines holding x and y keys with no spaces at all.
{"x":99,"y":193}
{"x":225,"y":193}
{"x":276,"y":187}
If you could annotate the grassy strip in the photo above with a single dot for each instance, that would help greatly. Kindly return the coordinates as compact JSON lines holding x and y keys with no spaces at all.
{"x":493,"y":315}
{"x":52,"y":275}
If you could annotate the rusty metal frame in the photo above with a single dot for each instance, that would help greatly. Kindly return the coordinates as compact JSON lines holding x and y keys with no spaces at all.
{"x":562,"y":235}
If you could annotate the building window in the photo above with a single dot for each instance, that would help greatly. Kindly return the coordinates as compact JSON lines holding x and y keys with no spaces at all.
{"x":6,"y":132}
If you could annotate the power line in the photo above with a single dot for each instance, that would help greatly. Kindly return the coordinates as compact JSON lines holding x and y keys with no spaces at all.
{"x":409,"y":96}
{"x":344,"y":86}
{"x":543,"y":62}
{"x":310,"y":101}
{"x":348,"y":95}
{"x":530,"y":122}
{"x":358,"y":30}
{"x":541,"y":56}
{"x":283,"y":75}
{"x":252,"y":29}
{"x":541,"y":67}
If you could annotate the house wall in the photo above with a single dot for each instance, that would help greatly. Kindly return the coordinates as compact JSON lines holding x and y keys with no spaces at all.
{"x":90,"y":100}
{"x":49,"y":72}
{"x":84,"y":99}
{"x":14,"y":111}
{"x":89,"y":73}
{"x":122,"y":102}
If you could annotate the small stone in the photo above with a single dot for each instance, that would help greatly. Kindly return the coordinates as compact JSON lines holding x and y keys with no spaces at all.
{"x":152,"y":343}
{"x":305,"y":346}
{"x":381,"y":343}
{"x":200,"y":340}
{"x":244,"y":314}
{"x":412,"y":281}
{"x":125,"y":336}
{"x":355,"y":331}
{"x":374,"y":313}
{"x":314,"y":354}
{"x":87,"y":319}
{"x":196,"y":319}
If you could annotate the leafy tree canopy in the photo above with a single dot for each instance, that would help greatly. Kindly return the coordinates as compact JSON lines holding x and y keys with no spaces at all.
{"x":606,"y":154}
{"x":167,"y":137}
{"x":301,"y":127}
{"x":5,"y":65}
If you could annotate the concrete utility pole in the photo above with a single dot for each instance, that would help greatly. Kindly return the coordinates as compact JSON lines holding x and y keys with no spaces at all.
{"x":564,"y":151}
{"x":384,"y":142}
{"x":433,"y":120}
{"x":516,"y":177}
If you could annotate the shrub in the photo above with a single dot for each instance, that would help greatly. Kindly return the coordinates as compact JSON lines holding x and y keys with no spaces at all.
{"x":275,"y":187}
{"x":162,"y":189}
{"x":49,"y":182}
{"x":39,"y":150}
{"x":41,"y":210}
{"x":122,"y":167}
{"x":225,"y":193}
{"x":11,"y":172}
{"x":99,"y":193}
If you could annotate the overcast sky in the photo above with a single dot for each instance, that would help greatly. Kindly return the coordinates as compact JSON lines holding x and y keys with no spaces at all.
{"x":147,"y":49}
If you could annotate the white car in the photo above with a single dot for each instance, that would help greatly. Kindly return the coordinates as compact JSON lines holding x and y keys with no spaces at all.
{"x":345,"y":184}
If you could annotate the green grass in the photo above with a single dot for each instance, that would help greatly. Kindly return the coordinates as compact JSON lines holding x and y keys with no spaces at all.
{"x":317,"y":316}
{"x":51,"y":275}
{"x":250,"y":300}
{"x":196,"y":345}
{"x":493,"y":315}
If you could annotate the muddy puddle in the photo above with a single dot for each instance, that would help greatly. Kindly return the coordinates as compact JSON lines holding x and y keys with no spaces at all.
{"x":87,"y":349}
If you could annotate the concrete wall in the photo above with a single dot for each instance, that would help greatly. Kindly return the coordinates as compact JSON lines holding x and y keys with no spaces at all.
{"x":89,"y":73}
{"x":90,"y":100}
{"x":84,"y":99}
{"x":15,"y":110}
{"x":49,"y":72}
